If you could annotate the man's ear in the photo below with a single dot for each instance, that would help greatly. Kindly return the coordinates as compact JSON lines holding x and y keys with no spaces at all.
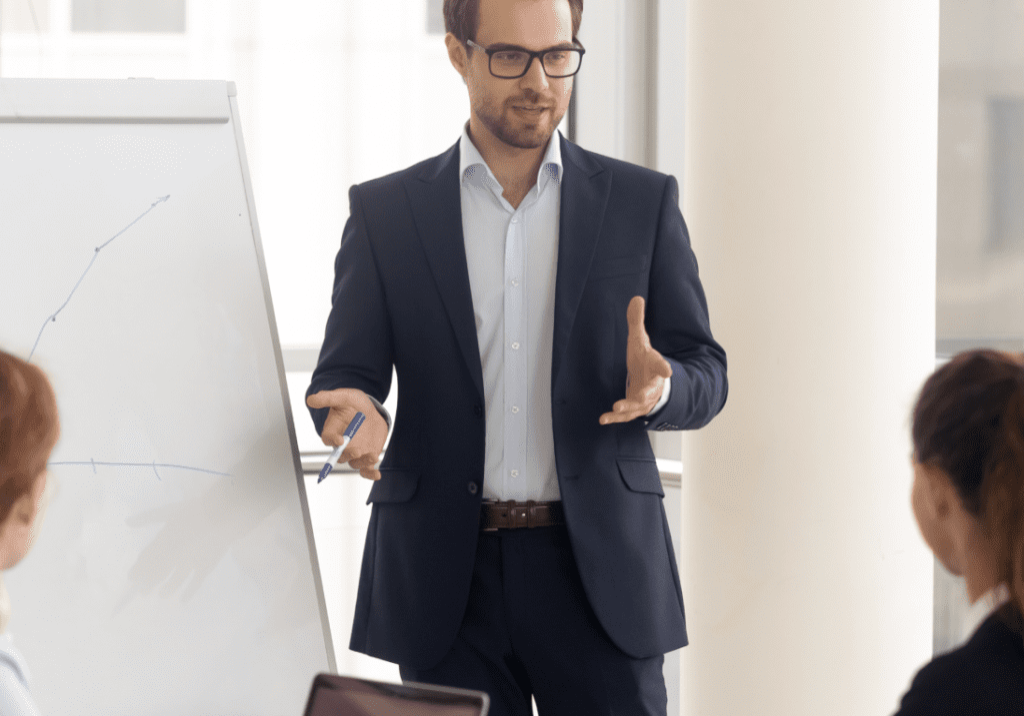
{"x":457,"y":54}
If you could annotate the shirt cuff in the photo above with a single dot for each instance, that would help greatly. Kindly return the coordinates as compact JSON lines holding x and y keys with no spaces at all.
{"x":381,"y":409}
{"x":664,"y":398}
{"x":387,"y":418}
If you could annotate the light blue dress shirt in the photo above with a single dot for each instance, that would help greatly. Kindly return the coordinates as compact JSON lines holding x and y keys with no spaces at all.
{"x":512,"y":256}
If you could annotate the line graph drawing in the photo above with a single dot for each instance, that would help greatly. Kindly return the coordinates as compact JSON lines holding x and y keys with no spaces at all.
{"x":154,"y":465}
{"x":52,"y":318}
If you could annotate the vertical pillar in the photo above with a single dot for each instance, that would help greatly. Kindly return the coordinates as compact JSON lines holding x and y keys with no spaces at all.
{"x":810,"y":193}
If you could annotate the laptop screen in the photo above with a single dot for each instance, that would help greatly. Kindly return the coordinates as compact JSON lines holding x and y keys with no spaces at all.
{"x":345,"y":696}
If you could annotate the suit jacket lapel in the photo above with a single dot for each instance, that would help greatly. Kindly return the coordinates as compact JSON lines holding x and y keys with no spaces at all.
{"x":437,"y":212}
{"x":586,"y":186}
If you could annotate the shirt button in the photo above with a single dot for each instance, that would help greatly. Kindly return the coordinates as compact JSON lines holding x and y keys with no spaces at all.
{"x":515,"y":346}
{"x":515,"y":219}
{"x":515,"y":282}
{"x":514,"y":473}
{"x":472,"y":488}
{"x":515,"y":408}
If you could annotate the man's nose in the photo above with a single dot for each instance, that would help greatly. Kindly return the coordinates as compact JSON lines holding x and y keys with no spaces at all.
{"x":535,"y":78}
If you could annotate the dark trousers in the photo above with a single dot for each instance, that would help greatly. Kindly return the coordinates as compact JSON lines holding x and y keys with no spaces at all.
{"x":530,"y":631}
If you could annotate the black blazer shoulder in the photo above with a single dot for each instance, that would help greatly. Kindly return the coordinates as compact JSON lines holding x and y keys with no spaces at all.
{"x":627,"y":177}
{"x":427,"y":170}
{"x":984,"y":676}
{"x":574,"y":151}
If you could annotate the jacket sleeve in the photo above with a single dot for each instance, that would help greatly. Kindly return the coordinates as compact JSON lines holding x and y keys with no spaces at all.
{"x":677,"y":321}
{"x":357,"y":351}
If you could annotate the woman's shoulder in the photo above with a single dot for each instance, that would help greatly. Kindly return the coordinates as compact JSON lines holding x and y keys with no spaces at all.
{"x":983,"y":676}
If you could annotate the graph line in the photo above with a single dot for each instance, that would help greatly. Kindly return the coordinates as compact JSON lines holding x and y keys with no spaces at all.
{"x":53,"y":317}
{"x":35,"y":20}
{"x":153,"y":465}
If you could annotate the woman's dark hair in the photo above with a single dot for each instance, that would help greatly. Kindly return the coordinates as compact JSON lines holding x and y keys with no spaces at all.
{"x":28,"y":428}
{"x":462,"y":18}
{"x":969,"y":422}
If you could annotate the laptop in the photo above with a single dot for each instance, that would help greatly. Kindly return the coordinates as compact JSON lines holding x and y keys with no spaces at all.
{"x":346,"y":696}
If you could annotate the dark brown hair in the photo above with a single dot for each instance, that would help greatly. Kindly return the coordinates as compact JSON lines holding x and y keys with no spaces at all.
{"x":969,"y":423}
{"x":28,"y":428}
{"x":462,"y":18}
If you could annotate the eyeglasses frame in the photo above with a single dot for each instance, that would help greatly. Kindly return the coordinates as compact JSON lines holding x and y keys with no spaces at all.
{"x":539,"y":55}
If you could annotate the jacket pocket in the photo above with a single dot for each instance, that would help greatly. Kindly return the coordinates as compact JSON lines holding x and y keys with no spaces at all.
{"x":640,"y":475}
{"x":619,"y":266}
{"x":394,"y":485}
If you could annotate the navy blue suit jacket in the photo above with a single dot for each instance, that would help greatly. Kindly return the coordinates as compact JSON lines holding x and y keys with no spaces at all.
{"x":402,"y":297}
{"x":984,"y":677}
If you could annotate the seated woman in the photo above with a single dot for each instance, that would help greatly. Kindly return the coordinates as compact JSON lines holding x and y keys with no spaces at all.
{"x":968,"y":498}
{"x":28,"y":432}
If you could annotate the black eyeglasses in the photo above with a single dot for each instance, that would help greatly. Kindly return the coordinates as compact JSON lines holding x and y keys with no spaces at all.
{"x":510,"y":62}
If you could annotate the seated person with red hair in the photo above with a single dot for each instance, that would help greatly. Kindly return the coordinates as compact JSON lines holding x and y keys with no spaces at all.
{"x":28,"y":431}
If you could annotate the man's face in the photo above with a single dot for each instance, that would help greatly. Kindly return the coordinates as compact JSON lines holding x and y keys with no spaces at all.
{"x":533,"y":25}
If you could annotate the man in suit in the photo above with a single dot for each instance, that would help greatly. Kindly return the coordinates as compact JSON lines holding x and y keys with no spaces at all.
{"x":520,"y":286}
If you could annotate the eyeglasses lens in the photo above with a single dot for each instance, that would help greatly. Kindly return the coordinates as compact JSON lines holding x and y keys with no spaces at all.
{"x":557,"y":63}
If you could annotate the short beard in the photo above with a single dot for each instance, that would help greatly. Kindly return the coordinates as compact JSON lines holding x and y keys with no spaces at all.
{"x":501,"y":127}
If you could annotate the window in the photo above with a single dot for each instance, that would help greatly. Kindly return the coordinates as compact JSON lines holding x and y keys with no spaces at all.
{"x":435,"y":17}
{"x":24,"y":16}
{"x":128,"y":16}
{"x":1006,"y":173}
{"x":980,"y":259}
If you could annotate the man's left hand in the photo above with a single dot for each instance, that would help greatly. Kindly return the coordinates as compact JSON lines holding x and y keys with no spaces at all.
{"x":646,"y":370}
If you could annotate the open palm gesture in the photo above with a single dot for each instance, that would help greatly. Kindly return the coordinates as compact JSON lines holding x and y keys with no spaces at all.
{"x":646,"y":370}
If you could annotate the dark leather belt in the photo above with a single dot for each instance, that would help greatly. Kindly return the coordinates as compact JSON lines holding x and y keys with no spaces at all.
{"x":512,"y":515}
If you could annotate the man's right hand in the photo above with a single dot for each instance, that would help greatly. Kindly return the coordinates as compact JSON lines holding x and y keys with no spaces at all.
{"x":363,"y":452}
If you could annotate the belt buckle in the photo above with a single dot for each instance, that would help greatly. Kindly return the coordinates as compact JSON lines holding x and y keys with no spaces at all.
{"x":520,"y":514}
{"x":513,"y":520}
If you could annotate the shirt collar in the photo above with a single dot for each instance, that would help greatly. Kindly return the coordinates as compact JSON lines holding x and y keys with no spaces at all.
{"x":550,"y":167}
{"x":983,"y":608}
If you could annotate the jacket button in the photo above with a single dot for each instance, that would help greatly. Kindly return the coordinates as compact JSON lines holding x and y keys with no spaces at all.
{"x":478,"y":411}
{"x":472,"y":488}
